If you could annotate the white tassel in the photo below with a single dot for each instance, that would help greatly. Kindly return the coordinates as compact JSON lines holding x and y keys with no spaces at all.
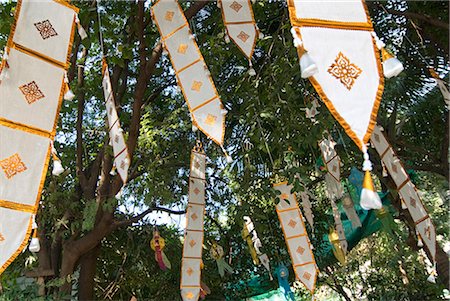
{"x":380,"y":44}
{"x":228,"y":158}
{"x":369,"y":197}
{"x":227,"y":38}
{"x":119,"y":194}
{"x":194,"y":128}
{"x":419,"y":242}
{"x":223,"y":112}
{"x":69,"y":95}
{"x":404,"y":207}
{"x":58,"y":169}
{"x":251,"y":71}
{"x":81,"y":31}
{"x":113,"y":171}
{"x":34,"y":245}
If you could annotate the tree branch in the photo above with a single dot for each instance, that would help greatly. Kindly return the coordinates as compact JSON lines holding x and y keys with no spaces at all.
{"x":427,"y":19}
{"x":135,"y":219}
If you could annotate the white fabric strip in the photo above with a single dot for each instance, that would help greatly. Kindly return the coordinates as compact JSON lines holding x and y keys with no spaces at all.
{"x":307,"y":208}
{"x":240,"y":24}
{"x":30,"y":98}
{"x":257,"y":244}
{"x":193,"y":239}
{"x":407,"y":190}
{"x":121,"y":156}
{"x":296,"y":237}
{"x":192,"y":73}
{"x":334,"y":187}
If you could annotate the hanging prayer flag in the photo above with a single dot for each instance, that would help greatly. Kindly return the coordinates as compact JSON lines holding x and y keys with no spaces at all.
{"x":217,"y":253}
{"x":121,"y":156}
{"x":249,"y":233}
{"x":407,"y":191}
{"x":193,"y":239}
{"x":307,"y":208}
{"x":334,"y":187}
{"x":191,"y":71}
{"x":344,"y":66}
{"x":443,"y":87}
{"x":158,"y":244}
{"x":240,"y":24}
{"x":296,"y":237}
{"x":31,"y":91}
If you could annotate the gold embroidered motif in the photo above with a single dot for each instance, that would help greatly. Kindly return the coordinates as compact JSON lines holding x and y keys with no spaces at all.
{"x":196,"y":86}
{"x":182,"y":48}
{"x":189,"y":271}
{"x":2,"y":238}
{"x":45,"y":29}
{"x":300,"y":250}
{"x":190,"y":295}
{"x":307,"y":275}
{"x":192,"y":243}
{"x":284,"y":196}
{"x":428,"y":232}
{"x":412,"y":201}
{"x":31,"y":92}
{"x":194,"y":216}
{"x":344,"y":71}
{"x":292,"y":223}
{"x":12,"y":165}
{"x":196,"y":190}
{"x":210,"y":120}
{"x":169,"y":15}
{"x":235,"y":6}
{"x":243,"y":36}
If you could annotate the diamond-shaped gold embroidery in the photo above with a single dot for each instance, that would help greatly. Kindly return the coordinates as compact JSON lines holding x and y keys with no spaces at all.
{"x":169,"y":15}
{"x":300,"y":250}
{"x":284,"y":196}
{"x":334,"y":168}
{"x":394,"y":167}
{"x":45,"y":29}
{"x":182,"y":48}
{"x":189,"y":271}
{"x":428,"y":232}
{"x":292,"y":223}
{"x":235,"y":6}
{"x":377,"y":137}
{"x":307,"y":275}
{"x":243,"y":36}
{"x":196,"y":86}
{"x":192,"y":243}
{"x":194,"y":216}
{"x":12,"y":165}
{"x":344,"y":71}
{"x":2,"y":238}
{"x":31,"y":92}
{"x":197,"y":165}
{"x":210,"y":119}
{"x":196,"y":190}
{"x":413,"y":203}
{"x":189,"y":295}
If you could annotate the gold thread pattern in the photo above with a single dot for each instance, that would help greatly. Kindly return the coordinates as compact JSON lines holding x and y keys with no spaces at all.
{"x":31,"y":92}
{"x":45,"y":29}
{"x":12,"y":165}
{"x":235,"y":6}
{"x":210,"y":120}
{"x":243,"y":36}
{"x":344,"y":71}
{"x":169,"y":15}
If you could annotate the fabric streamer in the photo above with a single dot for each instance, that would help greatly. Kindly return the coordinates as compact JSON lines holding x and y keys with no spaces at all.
{"x":410,"y":197}
{"x":254,"y":243}
{"x":193,"y":239}
{"x":349,"y":208}
{"x":158,"y":244}
{"x":32,"y":86}
{"x":217,"y":253}
{"x":296,"y":237}
{"x":442,"y":86}
{"x":240,"y":25}
{"x":192,"y":74}
{"x":120,"y":149}
{"x":338,"y":51}
{"x":307,"y":208}
{"x":334,"y":187}
{"x":283,"y":282}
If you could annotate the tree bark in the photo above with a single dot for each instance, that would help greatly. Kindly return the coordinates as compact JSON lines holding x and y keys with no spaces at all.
{"x":88,"y":264}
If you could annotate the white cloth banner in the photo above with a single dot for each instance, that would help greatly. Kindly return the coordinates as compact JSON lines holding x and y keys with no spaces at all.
{"x":296,"y":237}
{"x":407,"y":190}
{"x":307,"y":208}
{"x":121,"y":156}
{"x":349,"y":80}
{"x":191,"y":71}
{"x":193,"y":239}
{"x":30,"y":99}
{"x":240,"y":24}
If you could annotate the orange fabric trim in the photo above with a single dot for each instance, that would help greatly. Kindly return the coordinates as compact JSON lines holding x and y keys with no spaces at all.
{"x":18,"y":206}
{"x":38,"y":55}
{"x":24,"y":128}
{"x":188,"y":65}
{"x":422,"y":219}
{"x":20,"y":249}
{"x":205,"y":103}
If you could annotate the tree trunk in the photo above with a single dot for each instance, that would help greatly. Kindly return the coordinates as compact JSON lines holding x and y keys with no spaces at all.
{"x":88,"y":264}
{"x":69,"y":260}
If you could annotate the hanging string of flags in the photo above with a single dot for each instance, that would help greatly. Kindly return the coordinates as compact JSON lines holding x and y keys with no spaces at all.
{"x":193,"y":77}
{"x":334,"y":187}
{"x":240,"y":26}
{"x":33,"y":83}
{"x":296,"y":237}
{"x":407,"y":191}
{"x":120,"y":149}
{"x":193,"y":239}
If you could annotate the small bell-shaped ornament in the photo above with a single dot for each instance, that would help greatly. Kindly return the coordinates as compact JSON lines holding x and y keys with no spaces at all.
{"x":34,"y":245}
{"x":81,"y":31}
{"x":308,"y":67}
{"x":419,"y":241}
{"x":369,"y":197}
{"x":391,"y":65}
{"x":251,"y":71}
{"x":433,"y":274}
{"x":57,"y":166}
{"x":68,"y":95}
